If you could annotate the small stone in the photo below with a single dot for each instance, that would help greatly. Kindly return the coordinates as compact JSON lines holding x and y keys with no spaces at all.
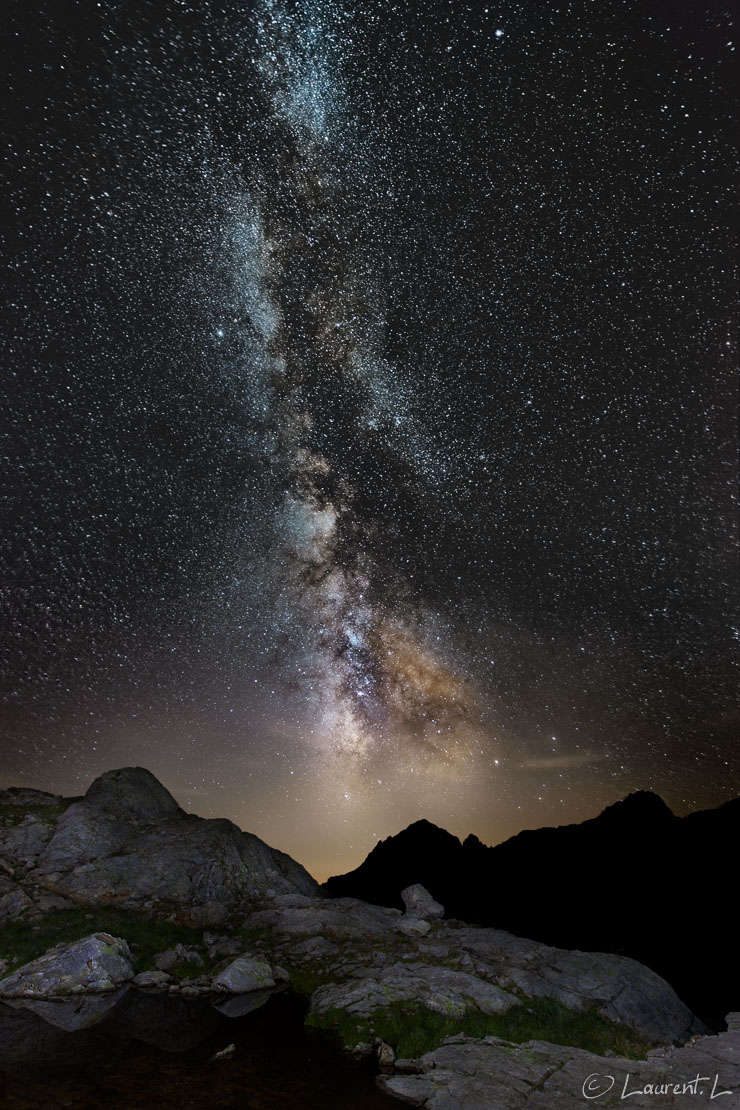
{"x":439,"y":951}
{"x":14,"y":903}
{"x":413,"y":927}
{"x":164,"y":961}
{"x":410,"y":1066}
{"x":45,"y":902}
{"x":224,"y":1053}
{"x":151,"y":979}
{"x":386,"y":1057}
{"x":190,"y":956}
{"x":221,"y":945}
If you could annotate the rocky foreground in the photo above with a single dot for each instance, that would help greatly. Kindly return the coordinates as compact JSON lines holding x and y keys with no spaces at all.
{"x":128,"y":843}
{"x":492,"y":1074}
{"x":267,"y":924}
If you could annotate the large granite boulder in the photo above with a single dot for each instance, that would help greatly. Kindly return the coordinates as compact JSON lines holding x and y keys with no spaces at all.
{"x":13,"y":899}
{"x":419,"y":903}
{"x":127,"y":842}
{"x":243,"y":975}
{"x":617,"y":987}
{"x":99,"y":962}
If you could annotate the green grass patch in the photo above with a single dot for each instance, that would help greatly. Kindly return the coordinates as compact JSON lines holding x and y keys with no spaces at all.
{"x":187,"y":971}
{"x":412,"y":1029}
{"x":29,"y":940}
{"x":305,"y":979}
{"x":251,"y":938}
{"x":14,"y":815}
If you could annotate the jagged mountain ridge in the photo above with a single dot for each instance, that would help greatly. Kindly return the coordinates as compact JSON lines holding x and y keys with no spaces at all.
{"x":635,"y":880}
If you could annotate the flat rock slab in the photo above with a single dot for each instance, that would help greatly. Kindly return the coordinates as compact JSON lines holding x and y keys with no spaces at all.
{"x":413,"y":927}
{"x":617,"y":987}
{"x":151,"y":979}
{"x":491,"y":1074}
{"x":338,"y":918}
{"x":98,"y":962}
{"x":437,"y":988}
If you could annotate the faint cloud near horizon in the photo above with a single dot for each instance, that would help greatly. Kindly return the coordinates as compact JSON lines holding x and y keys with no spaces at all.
{"x":555,"y":762}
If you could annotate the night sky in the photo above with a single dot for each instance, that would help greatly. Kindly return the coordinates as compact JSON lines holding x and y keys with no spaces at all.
{"x":369,"y":437}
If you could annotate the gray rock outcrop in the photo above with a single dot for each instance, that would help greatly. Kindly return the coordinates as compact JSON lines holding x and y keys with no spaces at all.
{"x":99,"y":962}
{"x":127,"y":842}
{"x":368,"y":961}
{"x":13,"y":899}
{"x":154,"y":978}
{"x":439,"y":989}
{"x":244,"y":975}
{"x":617,"y":987}
{"x":419,"y":903}
{"x":413,"y":927}
{"x":336,"y":918}
{"x":493,"y":1074}
{"x":165,"y":961}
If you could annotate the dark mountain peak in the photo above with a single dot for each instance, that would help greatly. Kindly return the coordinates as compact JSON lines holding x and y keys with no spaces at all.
{"x":642,"y":805}
{"x":541,"y":884}
{"x":420,"y":836}
{"x":425,"y":830}
{"x":714,"y":825}
{"x":422,"y":825}
{"x":420,"y":853}
{"x":133,"y":790}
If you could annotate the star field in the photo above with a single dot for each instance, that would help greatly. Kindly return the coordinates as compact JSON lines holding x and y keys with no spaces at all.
{"x":370,"y":421}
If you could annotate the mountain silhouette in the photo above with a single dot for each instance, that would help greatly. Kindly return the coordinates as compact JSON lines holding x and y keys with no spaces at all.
{"x":636,"y":880}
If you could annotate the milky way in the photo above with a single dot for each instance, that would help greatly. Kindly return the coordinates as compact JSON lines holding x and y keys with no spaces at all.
{"x":371,"y":413}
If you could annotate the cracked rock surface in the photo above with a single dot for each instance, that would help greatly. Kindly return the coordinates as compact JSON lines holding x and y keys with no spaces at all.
{"x":438,"y":988}
{"x":370,"y":961}
{"x":128,"y":842}
{"x":493,"y":1074}
{"x":99,"y":962}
